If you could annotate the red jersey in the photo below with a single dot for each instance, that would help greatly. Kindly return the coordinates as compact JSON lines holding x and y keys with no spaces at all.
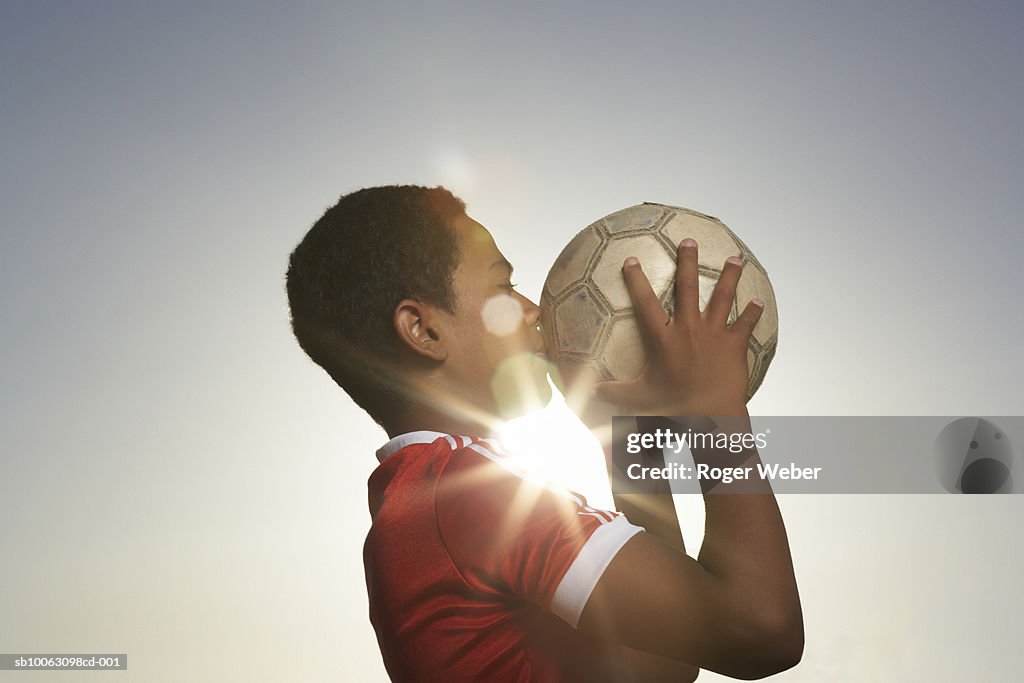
{"x":476,"y":573}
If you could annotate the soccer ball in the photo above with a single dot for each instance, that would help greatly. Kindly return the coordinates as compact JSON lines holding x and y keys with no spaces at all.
{"x":587,"y":316}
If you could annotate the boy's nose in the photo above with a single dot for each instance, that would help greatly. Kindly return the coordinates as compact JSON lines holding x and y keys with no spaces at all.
{"x":531,"y":311}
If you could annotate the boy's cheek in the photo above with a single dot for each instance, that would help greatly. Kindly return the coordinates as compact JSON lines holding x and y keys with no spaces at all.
{"x":505,"y":329}
{"x":518,"y":377}
{"x":499,"y":348}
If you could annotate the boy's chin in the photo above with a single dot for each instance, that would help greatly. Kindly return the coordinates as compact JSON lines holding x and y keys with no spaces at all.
{"x":520,"y":385}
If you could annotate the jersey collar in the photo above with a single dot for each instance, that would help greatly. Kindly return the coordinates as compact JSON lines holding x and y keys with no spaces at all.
{"x":402,"y":440}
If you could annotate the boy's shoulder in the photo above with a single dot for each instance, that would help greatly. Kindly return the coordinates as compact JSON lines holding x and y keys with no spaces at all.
{"x":454,"y":470}
{"x":459,"y":469}
{"x":500,"y":529}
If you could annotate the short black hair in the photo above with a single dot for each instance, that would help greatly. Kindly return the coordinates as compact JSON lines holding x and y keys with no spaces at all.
{"x":368,"y":252}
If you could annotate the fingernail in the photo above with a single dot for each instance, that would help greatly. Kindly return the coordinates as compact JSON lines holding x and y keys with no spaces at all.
{"x":757,"y":302}
{"x":631,"y":261}
{"x":735,"y":260}
{"x":689,"y":243}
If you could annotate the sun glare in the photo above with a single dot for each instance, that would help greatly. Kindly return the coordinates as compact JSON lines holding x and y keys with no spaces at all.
{"x":552,"y":444}
{"x":456,"y":169}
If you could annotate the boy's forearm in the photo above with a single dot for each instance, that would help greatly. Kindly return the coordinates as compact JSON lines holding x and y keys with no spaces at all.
{"x":745,"y":543}
{"x":741,"y":609}
{"x":745,"y":540}
{"x":656,"y":513}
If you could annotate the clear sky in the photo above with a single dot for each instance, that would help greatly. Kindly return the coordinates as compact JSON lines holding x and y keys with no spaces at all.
{"x":178,"y":482}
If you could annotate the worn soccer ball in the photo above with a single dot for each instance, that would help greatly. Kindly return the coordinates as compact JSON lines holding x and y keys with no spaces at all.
{"x":587,"y":315}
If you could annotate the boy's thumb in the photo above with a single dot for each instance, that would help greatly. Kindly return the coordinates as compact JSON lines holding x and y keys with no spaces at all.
{"x":624,"y":393}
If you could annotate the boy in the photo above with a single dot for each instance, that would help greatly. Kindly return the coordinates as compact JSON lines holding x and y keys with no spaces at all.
{"x":475,"y":572}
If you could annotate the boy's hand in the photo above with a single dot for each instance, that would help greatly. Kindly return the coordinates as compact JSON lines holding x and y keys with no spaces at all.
{"x":696,"y":363}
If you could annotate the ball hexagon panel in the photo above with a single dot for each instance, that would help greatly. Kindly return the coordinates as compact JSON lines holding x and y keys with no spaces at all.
{"x":643,"y":217}
{"x":623,"y":353}
{"x":759,"y":357}
{"x":577,"y":322}
{"x":658,"y":264}
{"x":572,"y":262}
{"x":754,"y":284}
{"x":713,"y":239}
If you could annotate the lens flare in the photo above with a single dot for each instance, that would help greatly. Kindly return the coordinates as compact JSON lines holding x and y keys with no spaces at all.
{"x":502,"y":315}
{"x":520,"y":385}
{"x":554,"y":446}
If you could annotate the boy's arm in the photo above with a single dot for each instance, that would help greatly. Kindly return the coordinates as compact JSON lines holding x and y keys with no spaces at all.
{"x":656,"y":513}
{"x":736,"y":609}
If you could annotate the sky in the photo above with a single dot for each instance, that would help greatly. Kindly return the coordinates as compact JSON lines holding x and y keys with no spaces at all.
{"x":180,"y":483}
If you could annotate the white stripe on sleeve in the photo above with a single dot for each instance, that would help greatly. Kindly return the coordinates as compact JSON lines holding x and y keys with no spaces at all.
{"x":578,"y":583}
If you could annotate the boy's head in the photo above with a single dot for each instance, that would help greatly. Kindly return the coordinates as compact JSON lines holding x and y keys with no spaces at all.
{"x":407,"y":303}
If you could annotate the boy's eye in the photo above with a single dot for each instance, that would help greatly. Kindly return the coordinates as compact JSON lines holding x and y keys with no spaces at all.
{"x":509,"y":286}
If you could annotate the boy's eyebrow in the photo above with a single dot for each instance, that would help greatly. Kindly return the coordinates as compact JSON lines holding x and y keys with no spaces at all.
{"x":504,"y":263}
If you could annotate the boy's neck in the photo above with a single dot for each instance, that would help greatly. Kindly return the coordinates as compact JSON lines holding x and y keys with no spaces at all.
{"x":424,"y":418}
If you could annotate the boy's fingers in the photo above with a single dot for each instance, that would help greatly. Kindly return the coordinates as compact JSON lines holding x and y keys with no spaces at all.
{"x":720,"y":304}
{"x":649,"y":311}
{"x":746,"y":321}
{"x":687,"y":286}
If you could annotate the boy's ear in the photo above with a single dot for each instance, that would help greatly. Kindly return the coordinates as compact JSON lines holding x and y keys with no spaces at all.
{"x":419,"y":329}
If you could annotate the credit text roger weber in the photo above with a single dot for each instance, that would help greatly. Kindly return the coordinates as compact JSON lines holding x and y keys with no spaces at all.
{"x":725,"y":475}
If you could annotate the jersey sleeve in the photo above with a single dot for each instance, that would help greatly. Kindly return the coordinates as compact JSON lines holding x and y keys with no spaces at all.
{"x":509,"y":535}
